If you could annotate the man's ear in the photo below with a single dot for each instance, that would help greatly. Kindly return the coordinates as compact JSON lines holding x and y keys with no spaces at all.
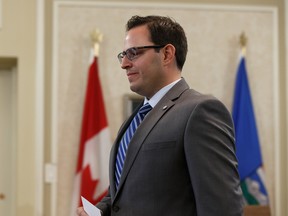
{"x":168,"y":54}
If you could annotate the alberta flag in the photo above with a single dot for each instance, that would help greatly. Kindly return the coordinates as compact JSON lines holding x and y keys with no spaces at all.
{"x":247,"y":143}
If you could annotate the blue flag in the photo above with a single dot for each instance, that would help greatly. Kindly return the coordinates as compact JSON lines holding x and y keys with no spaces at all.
{"x":247,"y":143}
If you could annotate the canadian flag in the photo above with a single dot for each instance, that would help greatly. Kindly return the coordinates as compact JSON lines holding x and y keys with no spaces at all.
{"x":91,"y":178}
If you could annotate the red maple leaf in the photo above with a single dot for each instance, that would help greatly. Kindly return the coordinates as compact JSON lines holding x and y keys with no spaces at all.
{"x":89,"y":185}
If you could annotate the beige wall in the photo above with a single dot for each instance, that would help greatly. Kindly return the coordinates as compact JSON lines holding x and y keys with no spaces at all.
{"x":18,"y":39}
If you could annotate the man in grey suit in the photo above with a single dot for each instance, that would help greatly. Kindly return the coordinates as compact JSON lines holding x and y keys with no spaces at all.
{"x":181,"y":159}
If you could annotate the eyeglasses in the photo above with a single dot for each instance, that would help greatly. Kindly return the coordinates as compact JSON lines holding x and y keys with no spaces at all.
{"x":133,"y":52}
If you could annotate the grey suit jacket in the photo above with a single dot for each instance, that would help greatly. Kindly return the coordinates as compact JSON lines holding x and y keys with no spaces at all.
{"x":181,"y":161}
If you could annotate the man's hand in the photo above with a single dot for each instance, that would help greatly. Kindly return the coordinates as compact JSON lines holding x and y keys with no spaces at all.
{"x":80,"y":212}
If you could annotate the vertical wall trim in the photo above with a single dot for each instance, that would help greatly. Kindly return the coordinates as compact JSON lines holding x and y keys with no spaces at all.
{"x":14,"y":136}
{"x":1,"y":14}
{"x":278,"y":180}
{"x":286,"y":60}
{"x":39,"y":108}
{"x":54,"y":105}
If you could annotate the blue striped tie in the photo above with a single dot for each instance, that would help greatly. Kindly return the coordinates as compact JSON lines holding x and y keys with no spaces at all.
{"x":138,"y":118}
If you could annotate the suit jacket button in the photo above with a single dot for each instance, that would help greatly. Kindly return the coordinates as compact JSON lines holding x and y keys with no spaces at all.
{"x":115,"y":208}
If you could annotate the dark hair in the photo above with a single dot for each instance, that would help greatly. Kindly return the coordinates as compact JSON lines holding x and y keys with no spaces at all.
{"x":163,"y":30}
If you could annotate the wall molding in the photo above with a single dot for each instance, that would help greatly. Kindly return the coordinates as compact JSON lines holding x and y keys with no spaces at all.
{"x":1,"y":15}
{"x":39,"y":107}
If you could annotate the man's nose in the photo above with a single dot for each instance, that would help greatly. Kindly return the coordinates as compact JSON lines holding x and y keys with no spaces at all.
{"x":126,"y":63}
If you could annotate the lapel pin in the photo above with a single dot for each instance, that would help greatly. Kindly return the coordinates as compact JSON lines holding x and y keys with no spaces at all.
{"x":165,"y":107}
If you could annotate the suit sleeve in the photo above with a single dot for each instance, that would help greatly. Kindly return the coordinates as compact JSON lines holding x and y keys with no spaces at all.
{"x":210,"y":153}
{"x":105,"y":204}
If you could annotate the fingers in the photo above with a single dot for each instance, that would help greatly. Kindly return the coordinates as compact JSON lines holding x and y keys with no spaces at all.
{"x":80,"y":212}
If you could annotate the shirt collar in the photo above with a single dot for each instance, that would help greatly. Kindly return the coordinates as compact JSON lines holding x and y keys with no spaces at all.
{"x":157,"y":97}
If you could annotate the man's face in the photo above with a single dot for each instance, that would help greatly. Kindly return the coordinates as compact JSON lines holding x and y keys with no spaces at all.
{"x":145,"y":72}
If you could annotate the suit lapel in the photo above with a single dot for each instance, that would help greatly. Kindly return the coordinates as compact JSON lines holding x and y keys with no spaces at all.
{"x":163,"y":106}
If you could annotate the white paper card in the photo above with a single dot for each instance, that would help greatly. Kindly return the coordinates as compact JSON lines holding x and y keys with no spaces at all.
{"x":89,"y":208}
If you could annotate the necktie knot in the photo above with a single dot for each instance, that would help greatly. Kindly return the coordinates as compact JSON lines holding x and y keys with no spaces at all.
{"x":145,"y":109}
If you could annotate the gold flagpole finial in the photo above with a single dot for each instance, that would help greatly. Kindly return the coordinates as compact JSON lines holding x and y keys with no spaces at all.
{"x":243,"y":42}
{"x":96,"y":37}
